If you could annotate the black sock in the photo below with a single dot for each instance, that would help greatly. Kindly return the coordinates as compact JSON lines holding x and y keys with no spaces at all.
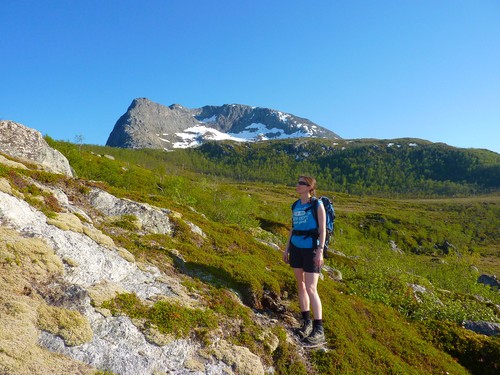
{"x":318,"y":323}
{"x":306,"y":315}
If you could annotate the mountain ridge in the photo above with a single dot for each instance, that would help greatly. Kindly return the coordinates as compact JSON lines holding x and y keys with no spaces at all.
{"x":147,"y":124}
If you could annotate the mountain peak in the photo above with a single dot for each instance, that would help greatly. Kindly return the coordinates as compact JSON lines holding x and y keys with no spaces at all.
{"x":147,"y":124}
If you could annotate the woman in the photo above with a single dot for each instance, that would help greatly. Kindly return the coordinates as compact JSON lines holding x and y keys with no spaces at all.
{"x":304,"y":253}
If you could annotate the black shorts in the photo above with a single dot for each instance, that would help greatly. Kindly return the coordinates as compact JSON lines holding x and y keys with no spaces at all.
{"x":303,"y":258}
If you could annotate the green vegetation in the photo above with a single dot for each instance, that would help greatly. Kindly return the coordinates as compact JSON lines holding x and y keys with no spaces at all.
{"x":403,"y":167}
{"x":169,"y":318}
{"x":409,"y":265}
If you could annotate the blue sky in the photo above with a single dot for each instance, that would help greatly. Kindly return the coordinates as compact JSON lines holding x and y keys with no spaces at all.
{"x":361,"y":68}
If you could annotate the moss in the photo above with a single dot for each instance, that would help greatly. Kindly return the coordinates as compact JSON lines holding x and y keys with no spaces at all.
{"x":167,"y":317}
{"x":33,"y":254}
{"x":238,"y":358}
{"x":127,"y":222}
{"x":19,"y":302}
{"x":286,"y":357}
{"x":98,"y":236}
{"x":103,"y":291}
{"x":478,"y":353}
{"x":73,"y":327}
{"x":368,"y":329}
{"x":66,"y":221}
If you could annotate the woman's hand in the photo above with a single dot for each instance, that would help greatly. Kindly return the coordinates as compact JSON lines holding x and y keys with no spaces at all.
{"x":318,"y":257}
{"x":286,"y":255}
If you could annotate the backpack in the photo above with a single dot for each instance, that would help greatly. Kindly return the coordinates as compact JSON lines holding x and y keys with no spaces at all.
{"x":330,"y":219}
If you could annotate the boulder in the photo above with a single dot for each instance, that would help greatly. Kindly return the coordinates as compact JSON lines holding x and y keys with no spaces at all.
{"x":482,"y":327}
{"x":151,"y":219}
{"x":489,"y":280}
{"x":22,"y":142}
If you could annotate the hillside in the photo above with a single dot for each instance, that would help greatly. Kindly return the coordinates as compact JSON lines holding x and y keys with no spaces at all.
{"x":390,"y":168}
{"x":189,"y":278}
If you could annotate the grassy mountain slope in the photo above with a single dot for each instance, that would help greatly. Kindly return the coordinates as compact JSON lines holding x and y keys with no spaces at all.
{"x":375,"y":321}
{"x":403,"y":167}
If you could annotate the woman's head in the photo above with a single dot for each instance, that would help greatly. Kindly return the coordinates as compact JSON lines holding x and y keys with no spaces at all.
{"x":310,"y":184}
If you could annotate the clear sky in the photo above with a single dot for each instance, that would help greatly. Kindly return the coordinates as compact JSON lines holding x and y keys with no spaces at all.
{"x":382,"y":69}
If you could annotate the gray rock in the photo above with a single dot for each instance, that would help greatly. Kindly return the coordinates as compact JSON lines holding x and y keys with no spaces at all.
{"x":489,"y":280}
{"x":395,"y":248}
{"x":333,"y":273}
{"x":22,"y":142}
{"x":482,"y":327}
{"x":151,"y":219}
{"x":151,"y":125}
{"x":420,"y":291}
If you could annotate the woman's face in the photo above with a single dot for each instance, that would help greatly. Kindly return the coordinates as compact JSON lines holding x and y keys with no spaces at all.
{"x":302,"y":186}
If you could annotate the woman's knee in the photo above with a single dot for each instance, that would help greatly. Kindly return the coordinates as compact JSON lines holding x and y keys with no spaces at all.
{"x":311,"y":290}
{"x":301,"y":286}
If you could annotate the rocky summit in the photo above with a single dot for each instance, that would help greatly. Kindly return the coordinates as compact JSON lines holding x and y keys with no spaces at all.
{"x":151,"y":125}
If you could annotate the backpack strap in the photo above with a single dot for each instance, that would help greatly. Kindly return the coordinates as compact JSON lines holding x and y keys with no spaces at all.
{"x":314,"y":205}
{"x":295,"y":203}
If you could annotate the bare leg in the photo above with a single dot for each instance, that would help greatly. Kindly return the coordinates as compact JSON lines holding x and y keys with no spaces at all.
{"x":304,"y":301}
{"x":311,"y":283}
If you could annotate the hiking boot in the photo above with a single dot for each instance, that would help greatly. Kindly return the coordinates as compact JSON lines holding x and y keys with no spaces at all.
{"x":305,"y":330}
{"x":316,"y":338}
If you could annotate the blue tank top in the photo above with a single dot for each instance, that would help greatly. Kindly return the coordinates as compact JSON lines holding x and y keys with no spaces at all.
{"x":303,"y":219}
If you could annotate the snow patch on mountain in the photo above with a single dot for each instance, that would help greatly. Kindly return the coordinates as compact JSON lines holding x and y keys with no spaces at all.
{"x":283,"y":116}
{"x":195,"y":136}
{"x":257,"y":131}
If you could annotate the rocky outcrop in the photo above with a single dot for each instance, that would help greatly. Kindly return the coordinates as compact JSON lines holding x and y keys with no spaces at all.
{"x":492,"y":281}
{"x":151,"y":125}
{"x":482,"y":327}
{"x":56,"y":272}
{"x":22,"y":142}
{"x":151,"y":219}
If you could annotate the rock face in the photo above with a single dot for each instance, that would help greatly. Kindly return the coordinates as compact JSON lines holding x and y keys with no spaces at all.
{"x":150,"y":125}
{"x":22,"y":142}
{"x":484,"y":328}
{"x":150,"y":218}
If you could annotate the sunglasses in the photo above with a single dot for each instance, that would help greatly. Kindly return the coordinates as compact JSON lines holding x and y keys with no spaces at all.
{"x":303,"y":183}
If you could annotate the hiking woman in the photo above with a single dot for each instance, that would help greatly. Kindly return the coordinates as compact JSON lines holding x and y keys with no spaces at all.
{"x":304,"y":253}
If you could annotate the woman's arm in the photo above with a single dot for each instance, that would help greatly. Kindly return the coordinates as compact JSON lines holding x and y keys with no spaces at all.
{"x":286,"y":253}
{"x":322,"y":234}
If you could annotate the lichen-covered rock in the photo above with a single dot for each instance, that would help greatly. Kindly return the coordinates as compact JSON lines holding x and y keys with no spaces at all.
{"x":239,"y":358}
{"x":25,"y":261}
{"x":151,"y":219}
{"x":94,"y":273}
{"x":25,"y":143}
